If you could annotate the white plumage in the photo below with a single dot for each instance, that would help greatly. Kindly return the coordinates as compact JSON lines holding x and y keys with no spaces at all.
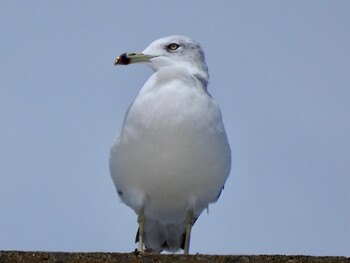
{"x":172,"y":157}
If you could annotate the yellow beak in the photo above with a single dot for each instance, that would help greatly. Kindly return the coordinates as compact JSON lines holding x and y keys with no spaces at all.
{"x":128,"y":58}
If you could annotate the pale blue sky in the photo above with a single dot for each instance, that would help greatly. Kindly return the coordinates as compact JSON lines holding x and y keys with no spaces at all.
{"x":280,"y":71}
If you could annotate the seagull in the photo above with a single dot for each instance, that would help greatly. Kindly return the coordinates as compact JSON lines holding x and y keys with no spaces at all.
{"x":172,"y":156}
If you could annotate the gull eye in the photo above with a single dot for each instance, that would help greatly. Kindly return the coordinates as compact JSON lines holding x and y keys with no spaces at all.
{"x":173,"y":46}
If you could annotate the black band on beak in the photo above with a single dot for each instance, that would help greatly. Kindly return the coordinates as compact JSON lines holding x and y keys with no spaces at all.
{"x":123,"y":59}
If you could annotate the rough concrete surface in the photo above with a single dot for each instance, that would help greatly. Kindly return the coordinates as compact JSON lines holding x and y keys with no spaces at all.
{"x":60,"y":257}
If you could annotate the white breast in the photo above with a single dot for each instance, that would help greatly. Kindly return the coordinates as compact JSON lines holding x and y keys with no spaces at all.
{"x":168,"y":157}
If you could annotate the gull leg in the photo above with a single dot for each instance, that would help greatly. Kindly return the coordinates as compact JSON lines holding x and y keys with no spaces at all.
{"x":189,"y":224}
{"x":141,"y":223}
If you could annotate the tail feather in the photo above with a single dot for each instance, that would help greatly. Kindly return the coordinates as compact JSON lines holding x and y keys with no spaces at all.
{"x":159,"y":237}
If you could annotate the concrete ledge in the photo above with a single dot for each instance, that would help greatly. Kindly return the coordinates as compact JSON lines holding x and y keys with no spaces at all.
{"x":60,"y":257}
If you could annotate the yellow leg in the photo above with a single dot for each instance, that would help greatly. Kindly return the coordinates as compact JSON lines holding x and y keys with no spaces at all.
{"x":141,"y":223}
{"x":189,"y":224}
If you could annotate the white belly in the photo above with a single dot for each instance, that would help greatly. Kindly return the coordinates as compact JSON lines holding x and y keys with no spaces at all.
{"x":169,"y":158}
